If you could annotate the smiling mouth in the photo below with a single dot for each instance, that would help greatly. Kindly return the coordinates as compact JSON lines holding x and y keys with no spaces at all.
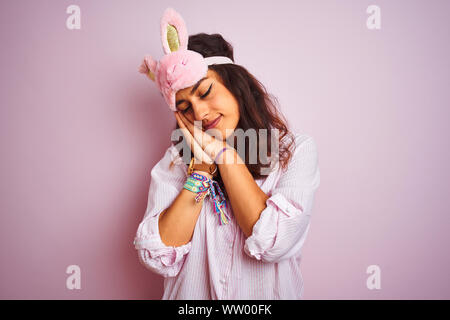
{"x":214,"y":123}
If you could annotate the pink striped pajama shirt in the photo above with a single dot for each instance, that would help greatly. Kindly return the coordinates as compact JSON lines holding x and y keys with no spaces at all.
{"x":220,"y":262}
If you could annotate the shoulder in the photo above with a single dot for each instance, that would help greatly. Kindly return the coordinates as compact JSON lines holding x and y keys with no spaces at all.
{"x":303,"y":149}
{"x":301,"y":142}
{"x":171,"y":162}
{"x":302,"y":169}
{"x":173,"y":155}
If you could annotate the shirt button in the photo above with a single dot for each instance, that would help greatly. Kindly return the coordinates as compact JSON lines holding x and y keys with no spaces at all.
{"x":222,"y":280}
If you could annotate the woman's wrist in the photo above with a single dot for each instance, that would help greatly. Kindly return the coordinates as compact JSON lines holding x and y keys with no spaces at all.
{"x":227,"y":155}
{"x":220,"y":149}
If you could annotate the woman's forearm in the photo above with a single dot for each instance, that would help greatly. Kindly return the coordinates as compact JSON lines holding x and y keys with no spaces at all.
{"x":246,"y":197}
{"x":177,"y":222}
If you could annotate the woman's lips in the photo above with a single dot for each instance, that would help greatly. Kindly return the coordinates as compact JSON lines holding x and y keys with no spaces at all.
{"x":214,"y":123}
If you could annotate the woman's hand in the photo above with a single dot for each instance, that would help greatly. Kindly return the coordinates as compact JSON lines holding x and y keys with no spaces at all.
{"x":197,"y":150}
{"x":205,"y":143}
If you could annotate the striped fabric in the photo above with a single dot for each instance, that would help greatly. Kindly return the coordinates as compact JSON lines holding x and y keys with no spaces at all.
{"x":220,"y":262}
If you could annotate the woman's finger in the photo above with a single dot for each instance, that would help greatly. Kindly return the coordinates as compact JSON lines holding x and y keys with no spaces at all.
{"x":196,"y":148}
{"x":186,"y":122}
{"x":209,"y":143}
{"x":199,"y":135}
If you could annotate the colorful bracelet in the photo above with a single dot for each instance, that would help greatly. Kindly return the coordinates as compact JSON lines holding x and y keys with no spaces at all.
{"x":199,"y":184}
{"x":204,"y":186}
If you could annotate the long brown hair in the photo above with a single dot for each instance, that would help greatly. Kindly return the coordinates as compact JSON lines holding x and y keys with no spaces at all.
{"x":257,"y":108}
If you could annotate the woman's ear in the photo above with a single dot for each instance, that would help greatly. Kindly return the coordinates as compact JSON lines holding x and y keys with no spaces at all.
{"x":174,"y":34}
{"x":148,"y":67}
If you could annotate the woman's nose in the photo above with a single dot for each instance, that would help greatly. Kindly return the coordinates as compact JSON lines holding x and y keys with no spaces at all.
{"x":200,"y":111}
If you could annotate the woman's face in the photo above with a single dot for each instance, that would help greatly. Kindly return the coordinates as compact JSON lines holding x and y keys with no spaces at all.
{"x":210,"y":101}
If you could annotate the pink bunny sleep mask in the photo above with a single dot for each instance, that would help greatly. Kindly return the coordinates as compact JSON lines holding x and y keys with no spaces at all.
{"x":180,"y":68}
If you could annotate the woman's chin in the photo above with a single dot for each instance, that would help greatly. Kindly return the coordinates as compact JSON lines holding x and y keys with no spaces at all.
{"x":215,"y":132}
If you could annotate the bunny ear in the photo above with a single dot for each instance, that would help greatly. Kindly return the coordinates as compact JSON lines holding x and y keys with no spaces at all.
{"x":148,"y":67}
{"x":174,"y":34}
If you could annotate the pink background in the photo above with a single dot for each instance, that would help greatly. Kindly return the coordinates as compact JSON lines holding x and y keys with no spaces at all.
{"x":81,"y":129}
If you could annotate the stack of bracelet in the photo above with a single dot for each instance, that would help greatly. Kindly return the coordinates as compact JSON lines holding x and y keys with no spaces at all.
{"x":203,"y":186}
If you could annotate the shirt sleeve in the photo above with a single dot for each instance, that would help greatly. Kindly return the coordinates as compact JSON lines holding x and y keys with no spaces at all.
{"x":165,"y":185}
{"x":281,"y":229}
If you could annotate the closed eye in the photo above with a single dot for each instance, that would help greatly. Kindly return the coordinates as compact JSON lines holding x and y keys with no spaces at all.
{"x":207,"y":92}
{"x":185,"y":110}
{"x":201,"y":97}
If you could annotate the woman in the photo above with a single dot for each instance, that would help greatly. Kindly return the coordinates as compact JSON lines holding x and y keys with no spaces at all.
{"x":249,"y":245}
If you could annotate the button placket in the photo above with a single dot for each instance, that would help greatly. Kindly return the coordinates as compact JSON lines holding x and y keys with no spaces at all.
{"x":230,"y":238}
